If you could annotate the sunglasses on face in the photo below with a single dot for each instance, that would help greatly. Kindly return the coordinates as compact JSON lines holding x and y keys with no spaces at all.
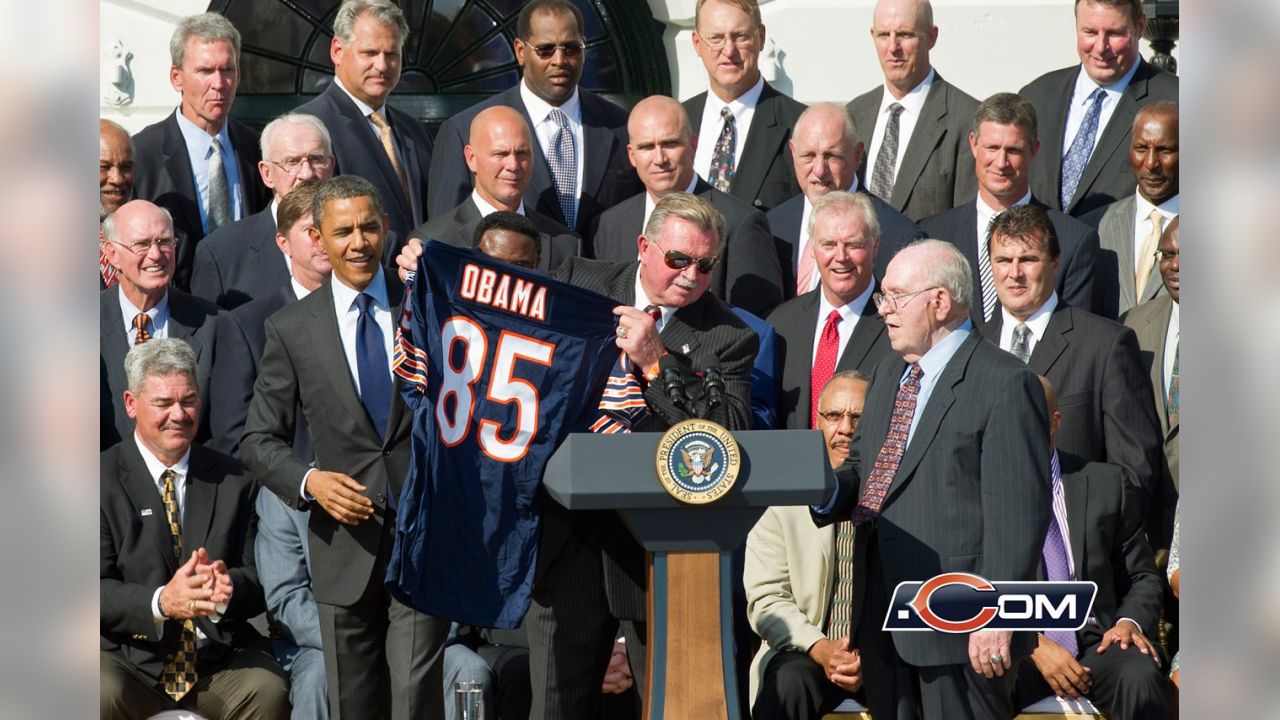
{"x":546,"y":51}
{"x":677,"y":260}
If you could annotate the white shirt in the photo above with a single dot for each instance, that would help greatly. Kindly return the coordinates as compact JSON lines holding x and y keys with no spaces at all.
{"x":933,"y":363}
{"x":743,"y":109}
{"x":544,"y":129}
{"x":803,"y":241}
{"x":299,"y":292}
{"x":1080,"y":103}
{"x":986,"y":214}
{"x":642,"y":302}
{"x":912,"y":103}
{"x":486,"y":209}
{"x":159,"y":317}
{"x":1142,"y":221}
{"x":849,"y":315}
{"x":1037,"y":324}
{"x":367,"y":111}
{"x":650,"y":204}
{"x":1171,"y":346}
{"x":199,"y":144}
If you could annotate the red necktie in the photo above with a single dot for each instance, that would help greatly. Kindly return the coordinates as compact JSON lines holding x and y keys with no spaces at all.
{"x":890,"y":455}
{"x":105,"y":267}
{"x":824,"y":363}
{"x":655,"y":312}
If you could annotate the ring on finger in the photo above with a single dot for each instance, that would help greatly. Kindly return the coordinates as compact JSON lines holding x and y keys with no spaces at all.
{"x":191,"y":606}
{"x":621,"y":332}
{"x":997,"y":659}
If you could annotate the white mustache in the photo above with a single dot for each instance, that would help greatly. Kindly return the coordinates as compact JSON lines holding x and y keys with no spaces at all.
{"x":686,"y":283}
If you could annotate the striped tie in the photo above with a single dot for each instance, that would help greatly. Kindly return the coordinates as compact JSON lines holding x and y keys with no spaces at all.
{"x":140,"y":323}
{"x":842,"y":598}
{"x":985,"y":275}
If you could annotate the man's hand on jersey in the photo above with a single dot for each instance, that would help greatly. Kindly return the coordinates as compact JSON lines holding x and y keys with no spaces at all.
{"x":407,"y":260}
{"x":340,"y":496}
{"x":637,"y":336}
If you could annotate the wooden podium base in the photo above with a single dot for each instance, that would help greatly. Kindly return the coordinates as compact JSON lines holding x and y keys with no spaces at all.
{"x":690,"y":638}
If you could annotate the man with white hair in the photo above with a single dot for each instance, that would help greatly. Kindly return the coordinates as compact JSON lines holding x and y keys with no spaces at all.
{"x":240,"y":262}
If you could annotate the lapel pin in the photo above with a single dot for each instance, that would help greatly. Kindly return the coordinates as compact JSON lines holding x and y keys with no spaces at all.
{"x":146,"y":512}
{"x":685,"y":348}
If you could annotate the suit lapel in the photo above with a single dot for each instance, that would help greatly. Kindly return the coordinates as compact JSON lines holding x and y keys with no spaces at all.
{"x":678,"y":333}
{"x":413,"y":165}
{"x":966,"y":239}
{"x":145,"y":496}
{"x":250,"y":180}
{"x":940,"y":401}
{"x":358,"y":127}
{"x":616,"y":247}
{"x":1124,"y":249}
{"x":1052,"y":127}
{"x":763,"y":137}
{"x":1159,"y":325}
{"x":597,"y":144}
{"x":864,"y":117}
{"x":111,"y":326}
{"x":925,"y":137}
{"x":803,"y":353}
{"x":1118,"y":128}
{"x":177,"y":163}
{"x":200,"y":503}
{"x":1075,"y":490}
{"x":183,"y":318}
{"x":864,"y":337}
{"x":1050,"y":347}
{"x":328,"y":350}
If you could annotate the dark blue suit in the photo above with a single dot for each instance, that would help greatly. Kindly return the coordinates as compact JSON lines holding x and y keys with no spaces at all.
{"x":239,"y":262}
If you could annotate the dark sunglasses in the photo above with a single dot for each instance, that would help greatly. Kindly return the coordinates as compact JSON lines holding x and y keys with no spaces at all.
{"x":546,"y":51}
{"x":677,"y":260}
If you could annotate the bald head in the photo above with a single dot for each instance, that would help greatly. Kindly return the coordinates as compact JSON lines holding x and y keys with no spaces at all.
{"x":904,"y":33}
{"x":500,"y":154}
{"x":661,"y":145}
{"x":825,"y":150}
{"x":115,"y":166}
{"x":141,"y":246}
{"x":1051,"y":403}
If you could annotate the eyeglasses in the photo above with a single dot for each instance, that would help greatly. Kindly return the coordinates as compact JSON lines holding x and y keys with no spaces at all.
{"x":144,"y":247}
{"x":546,"y":51}
{"x":716,"y":42}
{"x":835,"y":416}
{"x":880,"y":299}
{"x":292,"y":165}
{"x":677,"y":260}
{"x":1163,"y":255}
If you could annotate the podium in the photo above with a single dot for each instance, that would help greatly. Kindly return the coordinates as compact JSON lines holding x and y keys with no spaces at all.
{"x":689,"y":647}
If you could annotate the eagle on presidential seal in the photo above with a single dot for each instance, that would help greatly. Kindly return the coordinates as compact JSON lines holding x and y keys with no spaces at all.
{"x":699,"y":462}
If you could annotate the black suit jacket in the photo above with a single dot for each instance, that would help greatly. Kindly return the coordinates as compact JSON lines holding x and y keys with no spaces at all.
{"x":1108,"y":176}
{"x":1104,"y":394}
{"x":608,"y":177}
{"x":795,"y":322}
{"x":457,"y":227}
{"x":971,"y":493}
{"x":748,"y":275}
{"x":190,"y":318}
{"x":359,"y":152}
{"x":136,"y":552}
{"x":765,"y":176}
{"x":1077,"y":246}
{"x":303,"y":361}
{"x":241,"y":336}
{"x":936,"y":173}
{"x":162,"y":174}
{"x":698,"y":336}
{"x":239,"y":262}
{"x":896,"y":232}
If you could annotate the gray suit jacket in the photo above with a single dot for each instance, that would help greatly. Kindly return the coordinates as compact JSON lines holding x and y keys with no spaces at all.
{"x":1115,"y":286}
{"x":190,"y":318}
{"x":239,"y":262}
{"x":1108,"y":176}
{"x":457,"y":227}
{"x":936,"y":173}
{"x":971,"y":493}
{"x":1150,"y":322}
{"x":303,"y":361}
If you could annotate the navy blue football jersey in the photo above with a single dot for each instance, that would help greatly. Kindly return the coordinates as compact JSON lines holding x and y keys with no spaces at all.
{"x":498,"y":364}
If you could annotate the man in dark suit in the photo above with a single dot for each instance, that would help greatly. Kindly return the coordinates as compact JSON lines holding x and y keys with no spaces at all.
{"x":1087,"y":110}
{"x":945,"y":474}
{"x":581,"y":164}
{"x":177,"y":578}
{"x":827,"y":151}
{"x":384,"y":145}
{"x":143,"y":306}
{"x":198,"y":163}
{"x":500,"y":157}
{"x":331,"y":351}
{"x":661,"y":149}
{"x":1003,"y":143}
{"x":917,"y":122}
{"x":1092,"y":362}
{"x":834,"y":327}
{"x":1097,"y":530}
{"x":241,"y":333}
{"x":240,"y":262}
{"x":1129,"y":229}
{"x":115,"y":187}
{"x":743,"y":123}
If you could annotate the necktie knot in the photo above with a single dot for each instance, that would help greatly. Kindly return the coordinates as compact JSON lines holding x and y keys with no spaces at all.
{"x":379,"y":120}
{"x":363,"y":302}
{"x":654,"y":312}
{"x":559,"y":118}
{"x":1021,"y":347}
{"x":895,"y":110}
{"x":833,"y":321}
{"x":140,"y":322}
{"x":726,"y":114}
{"x":1097,"y":96}
{"x":914,"y":375}
{"x":215,"y":147}
{"x":1157,"y":220}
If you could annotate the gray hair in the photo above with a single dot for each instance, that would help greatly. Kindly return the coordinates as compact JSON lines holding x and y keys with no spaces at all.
{"x":850,"y":129}
{"x":109,"y":232}
{"x":293,"y":118}
{"x":160,"y":357}
{"x":343,"y":187}
{"x":949,"y":270}
{"x":209,"y":26}
{"x":1007,"y":108}
{"x":691,"y":208}
{"x":383,"y":11}
{"x":843,"y":201}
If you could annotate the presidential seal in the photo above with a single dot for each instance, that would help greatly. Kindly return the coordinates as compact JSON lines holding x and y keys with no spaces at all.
{"x":698,"y":461}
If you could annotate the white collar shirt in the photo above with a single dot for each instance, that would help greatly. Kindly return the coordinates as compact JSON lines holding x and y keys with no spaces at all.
{"x":1038,"y":324}
{"x":912,"y":105}
{"x":199,"y":146}
{"x":344,"y":304}
{"x":1080,"y":102}
{"x":544,"y":129}
{"x":486,"y":209}
{"x":367,"y":110}
{"x":849,"y":315}
{"x":743,"y":109}
{"x":159,"y":317}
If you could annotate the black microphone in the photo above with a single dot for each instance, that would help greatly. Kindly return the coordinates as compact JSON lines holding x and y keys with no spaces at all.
{"x":672,"y":382}
{"x":713,"y":387}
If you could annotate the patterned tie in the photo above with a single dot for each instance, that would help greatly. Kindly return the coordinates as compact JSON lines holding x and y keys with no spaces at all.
{"x":140,"y":323}
{"x":179,"y":673}
{"x":105,"y":268}
{"x":1021,"y":347}
{"x":371,"y":366}
{"x":1055,"y":556}
{"x":219,"y":208}
{"x":1147,"y":255}
{"x":842,"y":598}
{"x":564,"y":166}
{"x":1171,"y":398}
{"x":1077,"y":156}
{"x":824,"y":363}
{"x":985,"y":276}
{"x":722,"y":160}
{"x":882,"y":175}
{"x":890,"y":455}
{"x":808,"y":268}
{"x":384,"y":136}
{"x":655,"y":312}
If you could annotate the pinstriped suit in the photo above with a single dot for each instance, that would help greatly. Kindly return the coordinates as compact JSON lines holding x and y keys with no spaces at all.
{"x":591,"y":572}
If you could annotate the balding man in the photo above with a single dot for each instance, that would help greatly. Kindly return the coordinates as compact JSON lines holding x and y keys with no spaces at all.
{"x":240,"y":262}
{"x":500,"y":158}
{"x":917,"y":160}
{"x":1129,"y":229}
{"x":661,"y":148}
{"x":1087,"y":110}
{"x":827,"y":152}
{"x":141,"y":245}
{"x":115,"y":187}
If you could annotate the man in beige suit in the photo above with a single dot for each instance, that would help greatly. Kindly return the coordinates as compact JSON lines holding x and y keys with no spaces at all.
{"x":805,"y":667}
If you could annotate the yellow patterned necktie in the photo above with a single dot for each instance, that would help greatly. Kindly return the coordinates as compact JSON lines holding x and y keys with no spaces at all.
{"x":384,"y":135}
{"x":1147,"y":256}
{"x":179,"y":674}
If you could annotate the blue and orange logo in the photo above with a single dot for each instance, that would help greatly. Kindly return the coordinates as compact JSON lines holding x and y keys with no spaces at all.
{"x":964,"y":603}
